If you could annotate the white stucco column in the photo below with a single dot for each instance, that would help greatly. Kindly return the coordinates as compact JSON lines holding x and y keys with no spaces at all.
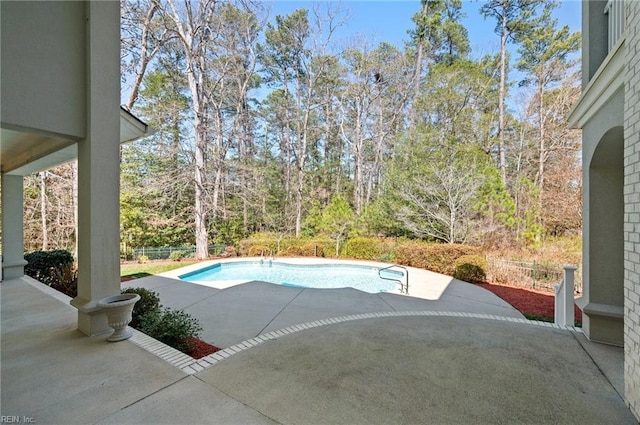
{"x":99,"y":170}
{"x":12,"y":230}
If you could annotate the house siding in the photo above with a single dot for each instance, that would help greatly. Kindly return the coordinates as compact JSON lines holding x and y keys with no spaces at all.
{"x":632,"y":209}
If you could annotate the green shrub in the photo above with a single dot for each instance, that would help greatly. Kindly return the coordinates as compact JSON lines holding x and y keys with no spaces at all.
{"x":263,"y":240}
{"x":148,"y":302}
{"x":178,"y":255}
{"x":47,"y":266}
{"x":143,"y":259}
{"x":471,"y":268}
{"x":172,"y":327}
{"x":362,"y":248}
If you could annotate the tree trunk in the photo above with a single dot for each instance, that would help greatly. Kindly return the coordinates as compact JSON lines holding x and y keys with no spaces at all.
{"x":74,"y":196}
{"x":501,"y":99}
{"x":195,"y":70}
{"x":43,"y":210}
{"x":418,"y":72}
{"x":145,"y":56}
{"x":542,"y":148}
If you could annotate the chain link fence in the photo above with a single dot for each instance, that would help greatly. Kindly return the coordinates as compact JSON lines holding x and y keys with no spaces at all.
{"x":529,"y":274}
{"x":169,"y":252}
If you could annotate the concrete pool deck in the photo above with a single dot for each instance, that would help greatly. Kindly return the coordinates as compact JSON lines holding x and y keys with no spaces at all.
{"x":233,"y":311}
{"x":443,"y":368}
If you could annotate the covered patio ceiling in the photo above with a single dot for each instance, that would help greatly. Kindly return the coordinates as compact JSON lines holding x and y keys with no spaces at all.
{"x":24,"y":152}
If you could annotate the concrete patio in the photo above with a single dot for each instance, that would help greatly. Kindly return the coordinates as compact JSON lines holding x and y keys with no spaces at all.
{"x":379,"y":362}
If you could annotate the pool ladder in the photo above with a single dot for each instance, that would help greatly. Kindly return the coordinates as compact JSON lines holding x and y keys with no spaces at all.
{"x":268,"y":259}
{"x":404,"y":285}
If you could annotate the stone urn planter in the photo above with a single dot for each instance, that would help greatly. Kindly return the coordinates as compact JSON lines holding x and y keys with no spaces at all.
{"x":118,"y":310}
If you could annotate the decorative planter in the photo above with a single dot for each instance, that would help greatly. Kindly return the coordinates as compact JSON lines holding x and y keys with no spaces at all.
{"x":118,"y":310}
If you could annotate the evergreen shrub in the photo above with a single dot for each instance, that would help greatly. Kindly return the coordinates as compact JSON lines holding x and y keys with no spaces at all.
{"x":143,"y":259}
{"x":48,"y":266}
{"x":172,"y":327}
{"x":149,"y":302}
{"x":261,"y":239}
{"x":178,"y":255}
{"x":362,"y":248}
{"x":471,"y":268}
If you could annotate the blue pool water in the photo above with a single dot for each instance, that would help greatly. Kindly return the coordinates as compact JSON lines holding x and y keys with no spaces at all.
{"x":362,"y":278}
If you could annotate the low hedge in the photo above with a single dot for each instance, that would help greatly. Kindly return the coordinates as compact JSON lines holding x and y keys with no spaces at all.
{"x":442,"y":258}
{"x":264,"y":240}
{"x":258,"y":251}
{"x":308,"y":249}
{"x":471,"y":268}
{"x":362,"y":248}
{"x":437,"y":257}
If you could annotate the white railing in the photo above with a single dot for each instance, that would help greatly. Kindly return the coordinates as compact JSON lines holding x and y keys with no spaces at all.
{"x":564,"y":300}
{"x":615,"y":12}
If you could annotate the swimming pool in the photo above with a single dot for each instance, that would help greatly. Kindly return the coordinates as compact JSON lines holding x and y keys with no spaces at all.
{"x":322,"y":276}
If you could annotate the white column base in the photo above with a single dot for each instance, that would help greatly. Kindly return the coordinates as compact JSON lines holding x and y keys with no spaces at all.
{"x":91,"y":319}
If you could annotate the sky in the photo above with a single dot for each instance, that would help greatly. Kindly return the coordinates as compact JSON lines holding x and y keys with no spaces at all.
{"x":389,"y":20}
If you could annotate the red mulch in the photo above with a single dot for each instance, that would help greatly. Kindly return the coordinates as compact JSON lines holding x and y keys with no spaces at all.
{"x":527,"y":300}
{"x":201,"y":348}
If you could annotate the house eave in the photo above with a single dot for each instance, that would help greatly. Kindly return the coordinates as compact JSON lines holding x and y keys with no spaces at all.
{"x":601,"y":88}
{"x":63,"y":151}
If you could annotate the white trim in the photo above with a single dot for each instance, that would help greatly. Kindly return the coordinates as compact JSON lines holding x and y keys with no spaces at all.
{"x":603,"y":85}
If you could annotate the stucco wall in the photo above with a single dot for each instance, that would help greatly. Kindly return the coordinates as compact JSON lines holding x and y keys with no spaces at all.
{"x":632,"y":209}
{"x":45,"y":44}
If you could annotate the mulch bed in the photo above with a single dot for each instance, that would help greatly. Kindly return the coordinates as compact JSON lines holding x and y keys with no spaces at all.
{"x":528,"y":301}
{"x":200,"y":348}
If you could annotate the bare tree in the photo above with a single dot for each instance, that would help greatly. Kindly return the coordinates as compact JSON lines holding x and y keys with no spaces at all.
{"x":143,"y":37}
{"x":439,"y":205}
{"x":192,"y":26}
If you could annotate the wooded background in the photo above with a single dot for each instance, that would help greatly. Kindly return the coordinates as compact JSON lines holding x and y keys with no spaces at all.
{"x":268,"y":124}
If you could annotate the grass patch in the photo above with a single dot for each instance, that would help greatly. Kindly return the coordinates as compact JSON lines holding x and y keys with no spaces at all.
{"x":136,"y":271}
{"x":540,"y":318}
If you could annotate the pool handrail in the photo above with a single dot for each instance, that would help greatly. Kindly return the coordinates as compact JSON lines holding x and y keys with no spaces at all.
{"x":404,"y":288}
